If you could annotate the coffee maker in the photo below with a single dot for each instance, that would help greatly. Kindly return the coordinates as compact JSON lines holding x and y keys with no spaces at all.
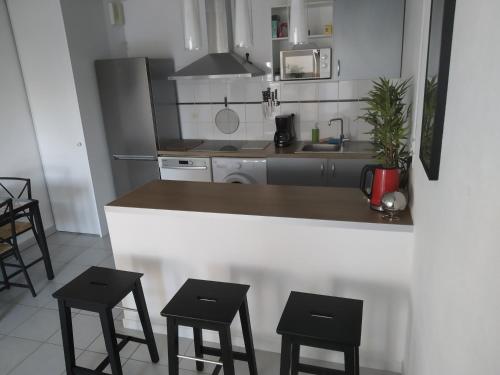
{"x":285,"y":130}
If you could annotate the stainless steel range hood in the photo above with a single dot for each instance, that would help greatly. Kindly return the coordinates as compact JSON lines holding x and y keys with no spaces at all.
{"x":221,"y":61}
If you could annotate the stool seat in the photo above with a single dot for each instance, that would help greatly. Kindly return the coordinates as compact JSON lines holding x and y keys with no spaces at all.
{"x":99,"y":287}
{"x":209,"y":301}
{"x":325,"y":318}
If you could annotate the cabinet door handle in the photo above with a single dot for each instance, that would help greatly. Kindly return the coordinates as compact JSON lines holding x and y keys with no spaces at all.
{"x":322,"y":169}
{"x":333,"y":169}
{"x":338,"y":68}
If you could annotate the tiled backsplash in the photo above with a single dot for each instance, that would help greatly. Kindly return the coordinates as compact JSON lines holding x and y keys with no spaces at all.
{"x":312,"y":102}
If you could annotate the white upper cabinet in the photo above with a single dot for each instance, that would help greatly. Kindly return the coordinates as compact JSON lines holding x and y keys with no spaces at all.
{"x":368,"y":38}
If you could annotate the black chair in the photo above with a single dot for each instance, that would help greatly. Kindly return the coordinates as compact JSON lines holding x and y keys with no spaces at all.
{"x":10,"y":249}
{"x":209,"y":305}
{"x":27,"y":217}
{"x":100,"y":290}
{"x":324,"y":322}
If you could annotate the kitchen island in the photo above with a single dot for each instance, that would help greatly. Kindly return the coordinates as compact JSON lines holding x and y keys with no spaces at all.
{"x":276,"y":239}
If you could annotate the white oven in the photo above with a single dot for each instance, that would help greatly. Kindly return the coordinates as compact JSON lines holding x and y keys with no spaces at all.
{"x":306,"y":64}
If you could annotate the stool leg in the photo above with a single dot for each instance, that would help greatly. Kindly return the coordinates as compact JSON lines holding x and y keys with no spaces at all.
{"x":226,"y":347}
{"x":247,"y":336}
{"x":4,"y":275}
{"x":286,"y":347}
{"x":356,"y":362}
{"x":295,"y":358}
{"x":108,"y":331}
{"x":67,"y":337}
{"x":198,"y":343}
{"x":173,"y":346}
{"x":349,"y":361}
{"x":142,"y":309}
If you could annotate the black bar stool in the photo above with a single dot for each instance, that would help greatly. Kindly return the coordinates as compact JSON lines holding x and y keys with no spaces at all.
{"x":99,"y":290}
{"x":209,"y":305}
{"x":324,"y":322}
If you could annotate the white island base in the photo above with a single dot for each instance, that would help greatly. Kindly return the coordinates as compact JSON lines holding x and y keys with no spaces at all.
{"x":273,"y":255}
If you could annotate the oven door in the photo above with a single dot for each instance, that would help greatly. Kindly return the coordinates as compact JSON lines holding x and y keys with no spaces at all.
{"x":300,"y":64}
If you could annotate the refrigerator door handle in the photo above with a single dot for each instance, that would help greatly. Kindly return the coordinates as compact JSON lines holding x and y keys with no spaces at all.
{"x":135,"y":157}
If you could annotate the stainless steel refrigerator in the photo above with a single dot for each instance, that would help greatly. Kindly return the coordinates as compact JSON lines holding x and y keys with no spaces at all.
{"x":139,"y":106}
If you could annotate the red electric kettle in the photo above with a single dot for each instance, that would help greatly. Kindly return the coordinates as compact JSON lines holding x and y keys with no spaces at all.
{"x":383,"y":180}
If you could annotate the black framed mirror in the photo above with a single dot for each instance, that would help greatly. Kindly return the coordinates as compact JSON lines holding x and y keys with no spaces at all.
{"x":436,"y":84}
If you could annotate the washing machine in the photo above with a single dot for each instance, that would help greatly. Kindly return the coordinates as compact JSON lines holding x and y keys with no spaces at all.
{"x":239,"y":171}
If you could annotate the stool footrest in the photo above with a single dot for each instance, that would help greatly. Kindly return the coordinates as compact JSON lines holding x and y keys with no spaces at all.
{"x":217,"y":353}
{"x":125,"y":340}
{"x":317,"y":370}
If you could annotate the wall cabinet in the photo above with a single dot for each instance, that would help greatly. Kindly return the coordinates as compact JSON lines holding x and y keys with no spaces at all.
{"x":315,"y":172}
{"x":368,"y":38}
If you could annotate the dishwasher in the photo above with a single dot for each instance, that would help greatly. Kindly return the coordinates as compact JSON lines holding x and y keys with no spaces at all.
{"x":185,"y":169}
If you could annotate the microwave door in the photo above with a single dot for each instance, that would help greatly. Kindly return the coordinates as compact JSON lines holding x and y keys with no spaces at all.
{"x":316,"y":56}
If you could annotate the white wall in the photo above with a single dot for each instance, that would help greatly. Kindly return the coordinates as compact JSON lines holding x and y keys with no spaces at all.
{"x":19,"y":156}
{"x":45,"y":60}
{"x":455,"y":303}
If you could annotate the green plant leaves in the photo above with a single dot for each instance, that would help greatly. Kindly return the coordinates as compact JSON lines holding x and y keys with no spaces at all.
{"x":387,"y":112}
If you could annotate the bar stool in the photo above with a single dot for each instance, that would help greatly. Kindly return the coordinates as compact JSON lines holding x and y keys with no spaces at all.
{"x":209,"y":305}
{"x":324,"y":322}
{"x":99,"y":290}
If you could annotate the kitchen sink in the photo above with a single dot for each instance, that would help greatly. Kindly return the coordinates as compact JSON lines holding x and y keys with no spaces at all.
{"x":319,"y":147}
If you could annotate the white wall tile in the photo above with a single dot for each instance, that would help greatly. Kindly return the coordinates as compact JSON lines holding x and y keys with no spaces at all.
{"x":254,"y":113}
{"x":240,"y":133}
{"x":206,"y":130}
{"x":347,"y":90}
{"x":349,"y":111}
{"x":202,"y":92}
{"x":308,"y":91}
{"x":185,"y":91}
{"x":326,"y":111}
{"x":204,"y":113}
{"x":240,"y":111}
{"x":289,"y":108}
{"x":218,"y":90}
{"x":363,"y":86}
{"x":255,"y":130}
{"x":188,"y":113}
{"x":328,"y":90}
{"x":304,"y":130}
{"x":289,"y":92}
{"x":189,"y":130}
{"x":308,"y":111}
{"x":253,"y":91}
{"x":236,"y":90}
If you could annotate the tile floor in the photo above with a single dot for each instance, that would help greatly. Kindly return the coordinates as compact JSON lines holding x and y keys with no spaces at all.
{"x":30,"y":341}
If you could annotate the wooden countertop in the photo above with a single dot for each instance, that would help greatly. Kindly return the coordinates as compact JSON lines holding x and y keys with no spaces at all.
{"x":352,"y":150}
{"x":321,"y":203}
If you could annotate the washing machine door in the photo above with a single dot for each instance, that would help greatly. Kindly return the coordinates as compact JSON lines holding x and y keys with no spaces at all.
{"x":238,"y":178}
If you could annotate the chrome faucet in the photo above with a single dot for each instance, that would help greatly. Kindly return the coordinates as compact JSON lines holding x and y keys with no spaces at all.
{"x":341,"y":137}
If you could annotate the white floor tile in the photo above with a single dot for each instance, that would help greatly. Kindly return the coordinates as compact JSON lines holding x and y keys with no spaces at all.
{"x":69,"y":272}
{"x":142,"y":353}
{"x":40,"y":327}
{"x":91,"y":360}
{"x":99,"y":346}
{"x":83,"y":240}
{"x":12,"y":316}
{"x":109,"y":262}
{"x":13,"y":351}
{"x":91,"y":257}
{"x":85,"y":330}
{"x":48,"y":359}
{"x":60,"y":238}
{"x":102,"y":243}
{"x":65,"y":253}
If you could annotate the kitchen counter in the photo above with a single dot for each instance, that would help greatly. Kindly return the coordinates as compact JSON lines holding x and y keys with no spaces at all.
{"x":352,"y":150}
{"x":320,"y":203}
{"x":275,"y":239}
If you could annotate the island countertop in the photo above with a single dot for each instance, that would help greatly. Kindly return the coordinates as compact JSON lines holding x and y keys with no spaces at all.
{"x":319,"y":203}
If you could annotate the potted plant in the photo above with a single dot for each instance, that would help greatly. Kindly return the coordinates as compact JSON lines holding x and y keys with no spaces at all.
{"x":388,"y":114}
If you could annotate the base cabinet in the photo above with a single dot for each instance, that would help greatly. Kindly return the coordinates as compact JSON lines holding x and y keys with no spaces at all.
{"x":315,"y":172}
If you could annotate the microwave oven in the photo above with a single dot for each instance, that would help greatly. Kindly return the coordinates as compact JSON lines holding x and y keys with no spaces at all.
{"x":306,"y":64}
